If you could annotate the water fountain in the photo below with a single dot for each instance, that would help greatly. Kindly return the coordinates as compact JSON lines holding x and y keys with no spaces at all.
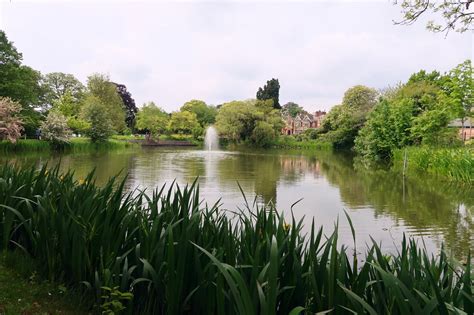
{"x":211,"y":139}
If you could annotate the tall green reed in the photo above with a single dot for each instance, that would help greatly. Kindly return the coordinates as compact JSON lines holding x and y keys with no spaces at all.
{"x":177,"y":256}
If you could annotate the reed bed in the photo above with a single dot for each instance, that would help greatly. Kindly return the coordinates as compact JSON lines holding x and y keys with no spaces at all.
{"x":451,"y":163}
{"x":74,"y":145}
{"x":175,"y":255}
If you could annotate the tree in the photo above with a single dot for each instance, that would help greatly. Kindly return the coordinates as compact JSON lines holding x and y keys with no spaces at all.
{"x":96,"y":115}
{"x":129,"y":105}
{"x":57,"y":85}
{"x":343,"y":122}
{"x":183,"y":122}
{"x":238,"y":121}
{"x":10,"y":123}
{"x":263,"y":135}
{"x":292,"y":109}
{"x":100,"y":86}
{"x":19,"y":83}
{"x":462,"y":90}
{"x":270,"y":91}
{"x":206,"y":115}
{"x":55,"y":129}
{"x":152,"y":118}
{"x":456,"y":15}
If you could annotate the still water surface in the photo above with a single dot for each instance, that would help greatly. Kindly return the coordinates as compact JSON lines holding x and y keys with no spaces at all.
{"x":381,"y":204}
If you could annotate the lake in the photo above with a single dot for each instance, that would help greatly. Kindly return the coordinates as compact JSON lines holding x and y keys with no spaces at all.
{"x":381,"y":204}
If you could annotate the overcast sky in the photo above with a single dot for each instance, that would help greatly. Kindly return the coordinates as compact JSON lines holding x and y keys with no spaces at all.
{"x":221,"y":51}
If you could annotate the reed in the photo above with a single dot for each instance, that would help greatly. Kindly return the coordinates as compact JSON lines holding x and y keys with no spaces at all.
{"x":451,"y":163}
{"x":177,"y":256}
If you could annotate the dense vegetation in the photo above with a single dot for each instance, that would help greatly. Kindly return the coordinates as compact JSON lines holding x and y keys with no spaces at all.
{"x":165,"y":253}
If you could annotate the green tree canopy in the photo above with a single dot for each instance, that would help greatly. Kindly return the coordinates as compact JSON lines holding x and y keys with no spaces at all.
{"x":183,"y":122}
{"x":271,"y":90}
{"x":292,"y":109}
{"x":206,"y":115}
{"x":99,"y":85}
{"x":57,"y":84}
{"x":95,"y":113}
{"x":152,"y":118}
{"x":462,"y":90}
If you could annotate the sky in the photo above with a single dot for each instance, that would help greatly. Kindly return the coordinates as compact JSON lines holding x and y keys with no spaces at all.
{"x":219,"y":51}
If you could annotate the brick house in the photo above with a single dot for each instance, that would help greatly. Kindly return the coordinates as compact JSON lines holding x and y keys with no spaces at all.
{"x":302,"y":122}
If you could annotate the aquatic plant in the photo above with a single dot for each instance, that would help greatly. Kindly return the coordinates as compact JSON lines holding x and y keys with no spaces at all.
{"x":176,"y":255}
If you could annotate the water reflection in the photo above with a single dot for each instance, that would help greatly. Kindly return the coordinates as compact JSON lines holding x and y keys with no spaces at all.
{"x":381,"y":204}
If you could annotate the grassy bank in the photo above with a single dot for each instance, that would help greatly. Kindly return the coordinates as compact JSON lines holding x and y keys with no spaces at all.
{"x":75,"y":145}
{"x":165,"y":253}
{"x":451,"y":163}
{"x":27,"y":294}
{"x":287,"y":142}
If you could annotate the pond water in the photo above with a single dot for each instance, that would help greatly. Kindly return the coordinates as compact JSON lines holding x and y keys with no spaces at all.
{"x":381,"y":204}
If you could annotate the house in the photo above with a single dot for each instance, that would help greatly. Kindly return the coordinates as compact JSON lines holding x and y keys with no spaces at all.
{"x":466,"y":132}
{"x":302,"y":122}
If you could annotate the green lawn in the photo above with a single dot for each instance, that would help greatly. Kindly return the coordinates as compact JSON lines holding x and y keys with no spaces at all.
{"x":19,"y":295}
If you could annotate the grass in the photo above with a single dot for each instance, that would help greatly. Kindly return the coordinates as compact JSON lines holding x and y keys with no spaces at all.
{"x":75,"y":145}
{"x":29,"y":295}
{"x":452,"y":163}
{"x":175,"y":256}
{"x":288,"y":142}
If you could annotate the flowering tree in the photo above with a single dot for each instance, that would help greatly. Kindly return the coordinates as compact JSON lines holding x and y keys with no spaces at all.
{"x":11,"y":125}
{"x":55,"y":128}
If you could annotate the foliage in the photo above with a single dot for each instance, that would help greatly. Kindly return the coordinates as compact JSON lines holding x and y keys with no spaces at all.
{"x":270,"y":91}
{"x":237,"y":120}
{"x":343,"y":122}
{"x":206,"y":115}
{"x":11,"y":125}
{"x":452,"y":163}
{"x":99,"y":86}
{"x":128,"y":104}
{"x":292,"y":109}
{"x":152,"y":118}
{"x":19,"y":83}
{"x":96,"y":114}
{"x":462,"y":90}
{"x":417,"y":113}
{"x":457,"y":15}
{"x":263,"y":135}
{"x":178,"y":256}
{"x":114,"y":300}
{"x":55,"y":129}
{"x":57,"y":85}
{"x":183,"y":122}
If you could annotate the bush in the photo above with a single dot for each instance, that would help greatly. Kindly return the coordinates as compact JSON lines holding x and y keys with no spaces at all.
{"x":95,"y":113}
{"x":263,"y":134}
{"x":11,"y":125}
{"x":55,"y":129}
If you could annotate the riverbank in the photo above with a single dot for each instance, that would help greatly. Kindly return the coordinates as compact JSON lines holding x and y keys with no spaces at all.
{"x":74,"y":145}
{"x":143,"y":245}
{"x":455,"y":164}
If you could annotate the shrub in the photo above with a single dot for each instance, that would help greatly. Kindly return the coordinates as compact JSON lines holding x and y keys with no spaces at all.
{"x":55,"y":129}
{"x":11,"y":125}
{"x":96,"y":114}
{"x":263,"y":134}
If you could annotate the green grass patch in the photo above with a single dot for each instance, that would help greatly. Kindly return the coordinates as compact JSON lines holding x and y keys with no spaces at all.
{"x":74,"y":145}
{"x":167,"y":252}
{"x":289,"y":142}
{"x":27,"y":294}
{"x":451,"y":163}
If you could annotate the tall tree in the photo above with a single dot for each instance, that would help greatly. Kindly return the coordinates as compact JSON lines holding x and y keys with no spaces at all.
{"x":129,"y":105}
{"x":100,"y":86}
{"x":292,"y":109}
{"x":205,"y":114}
{"x":457,"y":15}
{"x":57,"y":84}
{"x":271,"y":90}
{"x":19,"y":82}
{"x":462,"y":90}
{"x":152,"y":118}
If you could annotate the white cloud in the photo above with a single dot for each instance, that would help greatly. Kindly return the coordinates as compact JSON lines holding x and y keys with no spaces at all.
{"x":221,"y":51}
